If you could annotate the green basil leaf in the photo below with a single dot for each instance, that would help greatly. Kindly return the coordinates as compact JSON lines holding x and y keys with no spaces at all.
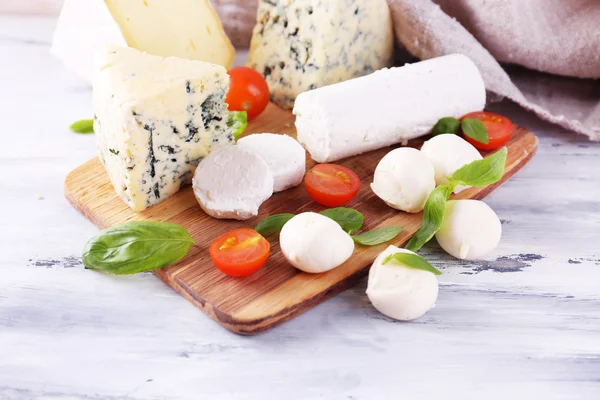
{"x":238,"y":121}
{"x":482,"y":172}
{"x":349,"y":219}
{"x":83,"y":126}
{"x":446,"y":125}
{"x":136,"y":246}
{"x":272,"y":224}
{"x":475,"y":129}
{"x":433,"y":215}
{"x":377,"y":236}
{"x":412,"y":261}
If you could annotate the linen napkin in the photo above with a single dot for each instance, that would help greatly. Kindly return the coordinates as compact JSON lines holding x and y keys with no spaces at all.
{"x":552,"y":36}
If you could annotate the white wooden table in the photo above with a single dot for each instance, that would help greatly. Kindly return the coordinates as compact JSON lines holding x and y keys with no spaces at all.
{"x":523,"y":325}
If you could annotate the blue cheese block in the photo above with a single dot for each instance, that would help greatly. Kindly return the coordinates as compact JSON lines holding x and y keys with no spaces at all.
{"x":155,"y":119}
{"x":299,"y":45}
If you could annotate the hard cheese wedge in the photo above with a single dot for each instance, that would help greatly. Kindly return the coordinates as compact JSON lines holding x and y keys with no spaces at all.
{"x":182,"y":28}
{"x":155,"y":119}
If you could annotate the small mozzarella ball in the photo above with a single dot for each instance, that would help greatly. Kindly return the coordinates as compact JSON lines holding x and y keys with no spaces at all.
{"x":404,"y":178}
{"x":401,"y":292}
{"x":470,"y":230}
{"x":449,"y":152}
{"x":315,"y":243}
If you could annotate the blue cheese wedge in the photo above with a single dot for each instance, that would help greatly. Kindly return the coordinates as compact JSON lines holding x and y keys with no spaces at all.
{"x":181,"y":28}
{"x":155,"y":119}
{"x":299,"y":45}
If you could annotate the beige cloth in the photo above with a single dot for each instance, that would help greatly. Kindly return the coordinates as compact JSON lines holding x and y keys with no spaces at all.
{"x":556,"y":36}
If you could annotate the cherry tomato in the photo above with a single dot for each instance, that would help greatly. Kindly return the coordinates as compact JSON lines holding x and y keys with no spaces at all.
{"x":498,"y":126}
{"x":248,"y":91}
{"x":331,"y":185}
{"x":240,"y":252}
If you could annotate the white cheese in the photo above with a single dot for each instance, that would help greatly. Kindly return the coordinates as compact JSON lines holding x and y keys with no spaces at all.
{"x":232,"y":183}
{"x":299,"y":45}
{"x":182,"y":28}
{"x":404,"y":178}
{"x":470,"y":230}
{"x":449,"y":152}
{"x":155,"y":119}
{"x":387,"y":107}
{"x":401,"y":292}
{"x":314,"y":243}
{"x":284,"y":155}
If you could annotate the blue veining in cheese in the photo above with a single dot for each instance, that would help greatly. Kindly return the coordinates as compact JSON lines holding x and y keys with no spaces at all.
{"x":299,"y":45}
{"x":155,"y":119}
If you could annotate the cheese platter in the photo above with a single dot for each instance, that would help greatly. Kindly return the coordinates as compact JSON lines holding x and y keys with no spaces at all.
{"x":259,"y":191}
{"x":277,"y":292}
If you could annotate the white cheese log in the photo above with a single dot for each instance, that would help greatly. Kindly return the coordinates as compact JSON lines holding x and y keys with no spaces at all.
{"x":386,"y":107}
{"x":181,"y":28}
{"x":285,"y":157}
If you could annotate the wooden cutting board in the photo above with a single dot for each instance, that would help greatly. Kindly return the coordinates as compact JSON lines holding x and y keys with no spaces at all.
{"x":278,"y":292}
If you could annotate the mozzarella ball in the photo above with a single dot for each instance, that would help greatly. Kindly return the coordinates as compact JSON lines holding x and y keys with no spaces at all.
{"x":283,"y":154}
{"x":315,"y":243}
{"x":232,"y":183}
{"x":401,"y":292}
{"x":470,"y":230}
{"x":449,"y":152}
{"x":404,"y":178}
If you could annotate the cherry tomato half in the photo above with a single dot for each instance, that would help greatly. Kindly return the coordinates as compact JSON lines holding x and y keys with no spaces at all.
{"x":240,"y":252}
{"x":498,"y":126}
{"x":331,"y":185}
{"x":248,"y":91}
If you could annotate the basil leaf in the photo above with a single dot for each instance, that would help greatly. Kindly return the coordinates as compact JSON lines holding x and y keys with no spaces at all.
{"x":377,"y":236}
{"x":433,"y":215}
{"x":238,"y":121}
{"x":412,"y":261}
{"x":136,"y":246}
{"x":475,"y":129}
{"x":83,"y":126}
{"x":273,"y":223}
{"x":482,"y":172}
{"x":446,"y":125}
{"x":349,"y":219}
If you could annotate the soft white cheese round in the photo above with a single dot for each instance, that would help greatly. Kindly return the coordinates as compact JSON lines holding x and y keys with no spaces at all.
{"x":232,"y":183}
{"x":283,"y":154}
{"x":404,"y":178}
{"x":401,"y":292}
{"x":449,"y":152}
{"x":470,"y":230}
{"x":314,"y":243}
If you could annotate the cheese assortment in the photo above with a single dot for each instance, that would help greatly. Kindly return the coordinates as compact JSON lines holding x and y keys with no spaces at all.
{"x":164,"y":122}
{"x":155,"y":119}
{"x":182,"y":28}
{"x":387,"y":107}
{"x":306,"y":44}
